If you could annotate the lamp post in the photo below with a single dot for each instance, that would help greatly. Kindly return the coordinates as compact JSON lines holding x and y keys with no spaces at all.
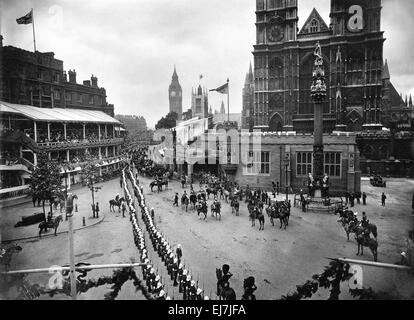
{"x":318,"y":94}
{"x":287,"y":163}
{"x":66,"y":191}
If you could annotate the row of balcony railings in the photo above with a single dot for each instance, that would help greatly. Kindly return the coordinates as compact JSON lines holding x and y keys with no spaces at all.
{"x":19,"y":191}
{"x":78,"y":142}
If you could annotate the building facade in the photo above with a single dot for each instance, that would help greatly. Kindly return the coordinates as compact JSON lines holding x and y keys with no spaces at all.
{"x":352,"y":46}
{"x":133,"y":124}
{"x":38,"y":79}
{"x":175,"y":96}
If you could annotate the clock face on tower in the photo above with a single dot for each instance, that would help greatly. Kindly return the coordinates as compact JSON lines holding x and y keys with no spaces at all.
{"x":173,"y":94}
{"x":275,"y":33}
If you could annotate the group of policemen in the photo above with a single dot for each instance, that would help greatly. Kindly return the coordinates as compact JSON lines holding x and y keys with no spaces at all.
{"x":177,"y":272}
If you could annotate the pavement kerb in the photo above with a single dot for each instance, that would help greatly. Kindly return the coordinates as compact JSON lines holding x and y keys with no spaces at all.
{"x":58,"y":233}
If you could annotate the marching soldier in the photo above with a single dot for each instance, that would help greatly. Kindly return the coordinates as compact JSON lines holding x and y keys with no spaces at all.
{"x":178,"y":275}
{"x":151,"y":279}
{"x":174,"y":271}
{"x":183,"y":277}
{"x":187,"y":285}
{"x":158,"y":288}
{"x":170,"y":263}
{"x":162,"y":295}
{"x":192,"y":292}
{"x":145,"y":269}
{"x":199,"y":294}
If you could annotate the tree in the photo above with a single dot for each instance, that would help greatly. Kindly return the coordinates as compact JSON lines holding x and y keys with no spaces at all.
{"x":46,"y":180}
{"x":167,"y":122}
{"x":89,"y":175}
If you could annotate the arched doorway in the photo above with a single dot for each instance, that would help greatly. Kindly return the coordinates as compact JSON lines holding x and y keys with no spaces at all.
{"x":276,"y":123}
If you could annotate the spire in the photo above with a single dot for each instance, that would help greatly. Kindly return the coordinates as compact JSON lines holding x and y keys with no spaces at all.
{"x":406,"y":100}
{"x":222,"y":109}
{"x":175,"y":76}
{"x":410,"y":103}
{"x":386,"y":71}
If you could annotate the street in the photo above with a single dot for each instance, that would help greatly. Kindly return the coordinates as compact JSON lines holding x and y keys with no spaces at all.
{"x":278,"y":259}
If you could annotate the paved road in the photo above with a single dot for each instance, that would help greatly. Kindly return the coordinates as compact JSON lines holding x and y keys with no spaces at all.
{"x":278,"y":259}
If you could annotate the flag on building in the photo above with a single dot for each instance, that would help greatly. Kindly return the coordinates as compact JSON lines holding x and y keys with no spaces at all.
{"x":28,"y":18}
{"x":201,"y":76}
{"x":222,"y":89}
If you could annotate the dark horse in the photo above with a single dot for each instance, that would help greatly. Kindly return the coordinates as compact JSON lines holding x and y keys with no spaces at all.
{"x":278,"y":212}
{"x":216,"y":210}
{"x":115,"y":203}
{"x":185,"y":202}
{"x":235,"y":206}
{"x":159,"y":185}
{"x":256,"y":213}
{"x":193,"y":200}
{"x":54,"y":223}
{"x":201,"y":207}
{"x":224,"y":292}
{"x":364,"y":240}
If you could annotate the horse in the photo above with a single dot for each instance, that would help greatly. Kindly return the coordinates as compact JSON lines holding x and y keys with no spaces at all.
{"x":278,"y":212}
{"x":260,"y":217}
{"x":211,"y":191}
{"x":226,"y":195}
{"x":216,"y":210}
{"x":224,"y":292}
{"x":235,"y":206}
{"x":364,"y":240}
{"x":201,"y":208}
{"x":249,"y":288}
{"x":159,"y":185}
{"x":6,"y":255}
{"x":184,"y":202}
{"x":115,"y":203}
{"x":193,"y":200}
{"x":54,"y":223}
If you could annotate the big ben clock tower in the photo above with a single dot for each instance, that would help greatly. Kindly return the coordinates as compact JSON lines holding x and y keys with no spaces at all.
{"x":175,"y":95}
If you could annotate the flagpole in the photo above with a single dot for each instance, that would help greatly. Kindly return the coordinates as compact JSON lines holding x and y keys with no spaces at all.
{"x":228,"y":100}
{"x":34,"y":36}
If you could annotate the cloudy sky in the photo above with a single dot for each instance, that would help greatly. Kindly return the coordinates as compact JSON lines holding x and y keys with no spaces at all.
{"x":132,"y":46}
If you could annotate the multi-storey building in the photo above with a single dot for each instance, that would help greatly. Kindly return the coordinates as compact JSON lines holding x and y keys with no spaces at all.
{"x":133,"y":124}
{"x":41,"y":111}
{"x":38,"y":79}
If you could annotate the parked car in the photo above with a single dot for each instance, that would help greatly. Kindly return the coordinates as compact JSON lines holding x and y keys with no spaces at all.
{"x":377,"y":181}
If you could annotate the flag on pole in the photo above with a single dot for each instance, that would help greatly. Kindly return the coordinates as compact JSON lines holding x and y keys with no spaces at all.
{"x":201,"y":76}
{"x":222,"y":89}
{"x":26,"y":19}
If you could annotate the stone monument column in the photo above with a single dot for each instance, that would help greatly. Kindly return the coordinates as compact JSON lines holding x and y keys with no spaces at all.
{"x":318,"y":94}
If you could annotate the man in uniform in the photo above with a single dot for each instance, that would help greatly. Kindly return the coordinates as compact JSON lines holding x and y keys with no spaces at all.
{"x":199,"y":294}
{"x":192,"y":291}
{"x":182,"y":278}
{"x":179,"y":252}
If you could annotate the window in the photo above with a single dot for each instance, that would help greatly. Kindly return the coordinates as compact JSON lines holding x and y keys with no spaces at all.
{"x":91,"y":99}
{"x":39,"y":75}
{"x":258,"y":163}
{"x":68,"y":96}
{"x":80,"y":98}
{"x":56,"y":77}
{"x":314,"y":26}
{"x":332,"y":164}
{"x":304,"y":163}
{"x":56,"y":94}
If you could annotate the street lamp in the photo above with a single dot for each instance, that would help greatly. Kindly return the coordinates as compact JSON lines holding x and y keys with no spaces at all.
{"x":66,"y":191}
{"x":287,"y":163}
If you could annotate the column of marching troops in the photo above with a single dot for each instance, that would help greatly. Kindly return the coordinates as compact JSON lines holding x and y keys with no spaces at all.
{"x":155,"y":281}
{"x":178,"y":273}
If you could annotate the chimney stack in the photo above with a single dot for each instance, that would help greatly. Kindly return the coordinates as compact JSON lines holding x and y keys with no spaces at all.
{"x":94,"y":81}
{"x":87,"y":83}
{"x":72,"y":76}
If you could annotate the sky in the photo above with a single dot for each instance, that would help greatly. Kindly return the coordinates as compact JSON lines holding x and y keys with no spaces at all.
{"x":132,"y":46}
